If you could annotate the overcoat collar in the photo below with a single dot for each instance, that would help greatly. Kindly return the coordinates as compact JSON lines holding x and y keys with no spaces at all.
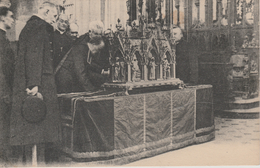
{"x":40,"y":21}
{"x":2,"y":32}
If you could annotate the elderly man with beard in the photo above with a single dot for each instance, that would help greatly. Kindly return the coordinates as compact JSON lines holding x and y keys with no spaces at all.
{"x":83,"y":68}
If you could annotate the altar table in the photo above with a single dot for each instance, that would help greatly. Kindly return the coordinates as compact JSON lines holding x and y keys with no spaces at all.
{"x":110,"y":129}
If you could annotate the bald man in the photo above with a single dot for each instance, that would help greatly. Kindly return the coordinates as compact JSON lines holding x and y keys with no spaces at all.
{"x":74,"y":31}
{"x":61,"y":40}
{"x":176,"y":34}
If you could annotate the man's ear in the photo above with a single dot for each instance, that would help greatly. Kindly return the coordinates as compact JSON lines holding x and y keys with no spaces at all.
{"x":2,"y":18}
{"x":46,"y":12}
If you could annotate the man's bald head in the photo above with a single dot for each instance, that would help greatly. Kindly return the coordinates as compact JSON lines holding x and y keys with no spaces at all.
{"x":74,"y":27}
{"x":64,"y":17}
{"x":95,"y":34}
{"x":96,"y":27}
{"x":74,"y":30}
{"x":176,"y":33}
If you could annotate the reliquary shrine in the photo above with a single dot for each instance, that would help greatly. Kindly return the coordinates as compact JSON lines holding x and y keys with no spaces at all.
{"x":142,"y":53}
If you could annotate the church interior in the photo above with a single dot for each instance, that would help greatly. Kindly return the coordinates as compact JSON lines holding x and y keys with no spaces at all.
{"x":200,"y":89}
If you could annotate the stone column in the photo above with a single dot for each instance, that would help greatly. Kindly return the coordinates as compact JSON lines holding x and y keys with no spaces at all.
{"x":161,"y":72}
{"x":210,"y":13}
{"x":145,"y":73}
{"x":219,"y":14}
{"x":177,"y":6}
{"x":256,"y":19}
{"x":129,"y":72}
{"x":197,"y":3}
{"x":256,"y":31}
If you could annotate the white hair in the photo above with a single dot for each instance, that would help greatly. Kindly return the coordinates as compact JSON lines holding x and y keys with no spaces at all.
{"x":63,"y":16}
{"x":96,"y":25}
{"x":44,"y":8}
{"x":74,"y":27}
{"x":47,"y":5}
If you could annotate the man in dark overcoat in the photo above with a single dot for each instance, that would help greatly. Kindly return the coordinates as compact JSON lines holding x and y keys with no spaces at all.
{"x":83,"y":70}
{"x":34,"y":75}
{"x":6,"y":79}
{"x":182,"y":59}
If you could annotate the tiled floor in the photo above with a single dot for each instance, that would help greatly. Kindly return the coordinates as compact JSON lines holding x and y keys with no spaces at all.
{"x":237,"y":142}
{"x":244,"y":131}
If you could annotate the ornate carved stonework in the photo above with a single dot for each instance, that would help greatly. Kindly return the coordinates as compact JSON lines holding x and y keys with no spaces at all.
{"x":244,"y":77}
{"x":143,"y":57}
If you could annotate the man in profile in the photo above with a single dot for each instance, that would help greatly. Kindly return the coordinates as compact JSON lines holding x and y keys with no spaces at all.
{"x":34,"y":77}
{"x":6,"y":79}
{"x":182,"y":59}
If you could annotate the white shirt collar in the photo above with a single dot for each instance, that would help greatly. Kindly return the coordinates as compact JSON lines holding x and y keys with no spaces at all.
{"x":2,"y":28}
{"x":61,"y":32}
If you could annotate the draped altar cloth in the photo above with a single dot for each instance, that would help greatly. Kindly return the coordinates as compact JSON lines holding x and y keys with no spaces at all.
{"x":122,"y":129}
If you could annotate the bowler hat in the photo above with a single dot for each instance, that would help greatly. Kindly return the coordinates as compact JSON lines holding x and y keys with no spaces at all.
{"x":33,"y":109}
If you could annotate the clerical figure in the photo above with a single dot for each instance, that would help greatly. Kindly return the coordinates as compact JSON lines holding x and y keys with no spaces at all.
{"x":117,"y":69}
{"x":122,"y":70}
{"x":136,"y":73}
{"x":152,"y":68}
{"x":166,"y":68}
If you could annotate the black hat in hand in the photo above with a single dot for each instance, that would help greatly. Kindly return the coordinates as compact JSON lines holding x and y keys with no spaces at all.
{"x":34,"y":109}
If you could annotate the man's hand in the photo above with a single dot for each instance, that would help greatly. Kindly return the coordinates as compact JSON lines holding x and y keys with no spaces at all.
{"x":33,"y":91}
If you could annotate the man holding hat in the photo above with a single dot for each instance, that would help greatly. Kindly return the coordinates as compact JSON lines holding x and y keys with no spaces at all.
{"x":35,"y":118}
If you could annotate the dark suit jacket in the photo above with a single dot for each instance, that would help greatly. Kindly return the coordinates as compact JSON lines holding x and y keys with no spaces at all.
{"x":34,"y":67}
{"x":76,"y":74}
{"x":6,"y":83}
{"x":183,"y":70}
{"x":61,"y":45}
{"x":7,"y":66}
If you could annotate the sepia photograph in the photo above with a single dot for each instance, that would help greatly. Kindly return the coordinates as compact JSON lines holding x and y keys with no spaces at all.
{"x":132,"y":83}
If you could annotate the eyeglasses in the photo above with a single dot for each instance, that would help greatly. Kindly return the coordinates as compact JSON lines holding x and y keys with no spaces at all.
{"x":97,"y":34}
{"x":74,"y":33}
{"x":63,"y":21}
